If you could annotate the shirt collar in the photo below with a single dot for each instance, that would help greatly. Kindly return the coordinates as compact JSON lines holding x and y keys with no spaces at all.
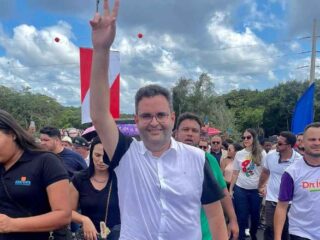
{"x":291,"y":159}
{"x":173,"y":146}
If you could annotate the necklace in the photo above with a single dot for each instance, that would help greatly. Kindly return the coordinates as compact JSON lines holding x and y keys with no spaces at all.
{"x":99,"y":181}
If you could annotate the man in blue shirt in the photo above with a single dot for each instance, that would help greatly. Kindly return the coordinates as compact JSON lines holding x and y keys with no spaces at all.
{"x":50,"y":138}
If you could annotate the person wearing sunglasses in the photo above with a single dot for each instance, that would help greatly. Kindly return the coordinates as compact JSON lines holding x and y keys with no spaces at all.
{"x":247,"y":169}
{"x":274,"y":166}
{"x":203,"y":144}
{"x":188,"y":131}
{"x":216,"y":148}
{"x":300,"y":185}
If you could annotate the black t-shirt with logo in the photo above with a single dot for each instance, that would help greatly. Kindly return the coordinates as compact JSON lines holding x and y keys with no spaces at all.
{"x":26,"y":182}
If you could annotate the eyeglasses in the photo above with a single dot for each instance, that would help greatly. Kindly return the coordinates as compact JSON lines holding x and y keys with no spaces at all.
{"x":148,"y":117}
{"x":280,"y":144}
{"x":215,"y":142}
{"x":246,"y":137}
{"x":203,"y":147}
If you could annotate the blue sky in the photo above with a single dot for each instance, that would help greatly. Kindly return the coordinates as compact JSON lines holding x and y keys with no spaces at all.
{"x":239,"y":43}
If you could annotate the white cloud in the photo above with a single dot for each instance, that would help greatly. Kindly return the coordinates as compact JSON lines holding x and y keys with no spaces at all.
{"x":225,"y":39}
{"x":300,"y":69}
{"x":259,"y":16}
{"x":34,"y":59}
{"x":271,"y":76}
{"x":295,"y":46}
{"x":167,"y":66}
{"x":241,"y":52}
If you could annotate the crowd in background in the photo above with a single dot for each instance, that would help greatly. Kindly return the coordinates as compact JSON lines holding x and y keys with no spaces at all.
{"x":169,"y":185}
{"x":93,"y":183}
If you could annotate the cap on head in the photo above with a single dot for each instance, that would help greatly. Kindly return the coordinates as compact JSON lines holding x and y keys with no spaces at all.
{"x":67,"y":139}
{"x":80,"y":142}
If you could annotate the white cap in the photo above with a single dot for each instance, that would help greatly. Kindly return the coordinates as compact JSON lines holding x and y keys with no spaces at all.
{"x":66,"y":139}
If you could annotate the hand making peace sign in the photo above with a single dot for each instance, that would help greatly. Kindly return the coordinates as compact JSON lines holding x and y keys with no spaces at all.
{"x":104,"y":26}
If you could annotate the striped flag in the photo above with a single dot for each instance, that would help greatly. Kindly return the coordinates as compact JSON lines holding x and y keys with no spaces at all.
{"x":114,"y":83}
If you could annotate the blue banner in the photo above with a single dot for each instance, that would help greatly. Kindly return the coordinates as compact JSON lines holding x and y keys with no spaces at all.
{"x":303,"y":112}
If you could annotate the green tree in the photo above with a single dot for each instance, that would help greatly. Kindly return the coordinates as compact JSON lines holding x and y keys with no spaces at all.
{"x":200,"y":98}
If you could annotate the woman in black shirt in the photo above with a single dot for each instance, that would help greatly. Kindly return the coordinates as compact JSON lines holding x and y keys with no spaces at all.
{"x":34,"y":192}
{"x":94,"y":192}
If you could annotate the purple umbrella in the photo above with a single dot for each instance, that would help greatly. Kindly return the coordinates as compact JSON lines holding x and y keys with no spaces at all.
{"x":127,"y":129}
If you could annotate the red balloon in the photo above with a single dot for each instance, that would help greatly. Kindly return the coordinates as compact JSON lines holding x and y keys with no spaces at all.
{"x":57,"y":39}
{"x":140,"y":35}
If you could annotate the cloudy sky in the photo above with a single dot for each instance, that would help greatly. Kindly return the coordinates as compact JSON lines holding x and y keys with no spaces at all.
{"x":253,"y":44}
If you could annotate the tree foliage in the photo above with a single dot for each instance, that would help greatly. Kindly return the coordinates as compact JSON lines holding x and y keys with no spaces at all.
{"x":43,"y":110}
{"x":270,"y":110}
{"x":200,"y":98}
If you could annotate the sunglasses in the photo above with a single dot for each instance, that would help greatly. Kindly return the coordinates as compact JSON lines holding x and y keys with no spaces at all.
{"x":280,"y":144}
{"x":246,"y":137}
{"x":215,"y":142}
{"x":203,"y":147}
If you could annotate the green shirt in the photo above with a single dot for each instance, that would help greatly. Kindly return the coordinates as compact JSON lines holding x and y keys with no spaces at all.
{"x":217,"y":173}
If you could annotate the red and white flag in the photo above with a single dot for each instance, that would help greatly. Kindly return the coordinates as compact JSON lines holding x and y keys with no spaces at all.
{"x":114,"y":83}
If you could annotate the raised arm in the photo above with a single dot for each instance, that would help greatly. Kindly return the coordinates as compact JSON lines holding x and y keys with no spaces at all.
{"x":103,"y":34}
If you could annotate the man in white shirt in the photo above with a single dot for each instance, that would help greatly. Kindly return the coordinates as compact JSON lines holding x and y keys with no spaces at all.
{"x":300,"y":185}
{"x":161,"y":183}
{"x":274,"y":165}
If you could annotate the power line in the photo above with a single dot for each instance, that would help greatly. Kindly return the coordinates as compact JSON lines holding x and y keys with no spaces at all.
{"x":257,"y":44}
{"x":71,"y":64}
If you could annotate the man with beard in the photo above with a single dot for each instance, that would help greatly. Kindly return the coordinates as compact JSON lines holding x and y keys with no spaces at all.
{"x":188,"y":129}
{"x":162,"y":184}
{"x":299,"y":144}
{"x":300,"y":184}
{"x":50,"y":138}
{"x":274,"y":166}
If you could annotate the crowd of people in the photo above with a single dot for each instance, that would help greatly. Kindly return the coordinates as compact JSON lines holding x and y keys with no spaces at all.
{"x":172,"y":184}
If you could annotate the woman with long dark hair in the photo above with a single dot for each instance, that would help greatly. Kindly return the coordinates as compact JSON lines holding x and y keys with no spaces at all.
{"x":94,"y":191}
{"x":34,"y":193}
{"x":247,"y":169}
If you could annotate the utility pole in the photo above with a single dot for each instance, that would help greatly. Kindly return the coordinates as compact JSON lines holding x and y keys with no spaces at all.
{"x":313,"y":53}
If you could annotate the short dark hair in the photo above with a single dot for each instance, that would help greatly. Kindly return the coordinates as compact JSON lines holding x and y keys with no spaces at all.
{"x":188,"y":116}
{"x":312,"y":125}
{"x":290,"y":137}
{"x":51,"y":131}
{"x":237,"y":146}
{"x":8,"y":125}
{"x":229,"y":141}
{"x":225,"y":144}
{"x":152,"y":91}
